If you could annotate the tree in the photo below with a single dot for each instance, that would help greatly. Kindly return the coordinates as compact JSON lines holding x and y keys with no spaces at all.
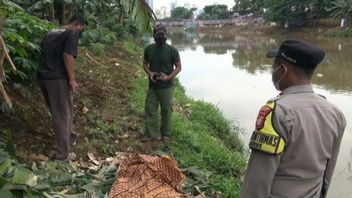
{"x":61,"y":10}
{"x":294,"y":11}
{"x":341,"y":9}
{"x":212,"y":12}
{"x":180,"y":13}
{"x":24,"y":30}
{"x":248,"y":6}
{"x":319,"y":8}
{"x":282,"y":11}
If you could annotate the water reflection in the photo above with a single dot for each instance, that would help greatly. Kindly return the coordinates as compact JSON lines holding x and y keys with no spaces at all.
{"x":248,"y":52}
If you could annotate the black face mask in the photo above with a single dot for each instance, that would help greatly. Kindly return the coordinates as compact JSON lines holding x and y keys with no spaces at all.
{"x":80,"y":34}
{"x":160,"y":39}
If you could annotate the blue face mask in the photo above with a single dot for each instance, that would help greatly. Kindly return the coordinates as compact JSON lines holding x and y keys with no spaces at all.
{"x":277,"y":84}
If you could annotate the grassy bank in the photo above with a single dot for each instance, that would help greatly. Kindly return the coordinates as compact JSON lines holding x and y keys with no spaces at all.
{"x":109,"y":118}
{"x":339,"y":32}
{"x":203,"y":141}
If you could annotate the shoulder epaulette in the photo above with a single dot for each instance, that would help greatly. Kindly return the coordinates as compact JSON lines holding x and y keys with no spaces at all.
{"x":274,"y":99}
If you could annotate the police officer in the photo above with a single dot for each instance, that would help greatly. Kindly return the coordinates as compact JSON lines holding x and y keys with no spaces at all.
{"x":298,"y":134}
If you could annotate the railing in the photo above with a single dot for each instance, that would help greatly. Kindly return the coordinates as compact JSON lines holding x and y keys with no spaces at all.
{"x":234,"y":21}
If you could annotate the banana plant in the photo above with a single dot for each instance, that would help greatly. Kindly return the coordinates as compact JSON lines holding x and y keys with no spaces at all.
{"x":45,"y":7}
{"x":140,"y":11}
{"x":341,"y":9}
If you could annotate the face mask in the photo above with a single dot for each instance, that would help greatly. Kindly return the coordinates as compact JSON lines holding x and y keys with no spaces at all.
{"x":160,"y":40}
{"x":277,"y":84}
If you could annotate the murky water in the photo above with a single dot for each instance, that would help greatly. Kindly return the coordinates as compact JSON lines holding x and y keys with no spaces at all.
{"x":231,"y":71}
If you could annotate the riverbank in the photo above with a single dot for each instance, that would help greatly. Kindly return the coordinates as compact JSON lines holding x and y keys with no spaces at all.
{"x":203,"y":142}
{"x":109,"y":119}
{"x":327,"y":28}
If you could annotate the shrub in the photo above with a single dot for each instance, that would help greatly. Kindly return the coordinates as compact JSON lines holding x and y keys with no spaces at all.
{"x":22,"y":34}
{"x":98,"y":48}
{"x":99,"y":35}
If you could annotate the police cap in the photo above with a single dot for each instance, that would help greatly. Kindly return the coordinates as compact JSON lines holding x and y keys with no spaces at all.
{"x":298,"y":53}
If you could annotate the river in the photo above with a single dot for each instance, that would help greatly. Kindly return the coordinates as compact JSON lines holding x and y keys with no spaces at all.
{"x":230,"y":71}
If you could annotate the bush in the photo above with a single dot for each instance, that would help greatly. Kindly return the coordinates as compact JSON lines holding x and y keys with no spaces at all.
{"x":98,"y":48}
{"x":99,"y":35}
{"x":22,"y":34}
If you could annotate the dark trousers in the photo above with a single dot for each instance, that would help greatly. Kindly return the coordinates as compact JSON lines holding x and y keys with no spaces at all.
{"x":58,"y":96}
{"x":154,"y":99}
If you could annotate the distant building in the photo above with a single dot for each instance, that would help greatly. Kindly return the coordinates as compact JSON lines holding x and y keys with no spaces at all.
{"x":162,"y":13}
{"x":173,"y":5}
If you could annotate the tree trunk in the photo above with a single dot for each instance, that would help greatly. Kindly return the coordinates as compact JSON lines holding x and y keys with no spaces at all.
{"x":83,"y":7}
{"x":63,"y":10}
{"x":2,"y":20}
{"x":121,"y":16}
{"x":52,"y":12}
{"x":59,"y":12}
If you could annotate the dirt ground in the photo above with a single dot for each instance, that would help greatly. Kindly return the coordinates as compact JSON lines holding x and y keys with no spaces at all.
{"x":105,"y":119}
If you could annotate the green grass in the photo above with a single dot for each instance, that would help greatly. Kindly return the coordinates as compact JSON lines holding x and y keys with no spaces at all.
{"x":132,"y":47}
{"x":201,"y":138}
{"x":339,"y":33}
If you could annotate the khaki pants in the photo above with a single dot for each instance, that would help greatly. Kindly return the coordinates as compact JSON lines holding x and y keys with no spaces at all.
{"x":156,"y":97}
{"x":58,"y":96}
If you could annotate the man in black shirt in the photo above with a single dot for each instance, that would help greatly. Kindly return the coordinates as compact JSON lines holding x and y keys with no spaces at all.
{"x":58,"y":82}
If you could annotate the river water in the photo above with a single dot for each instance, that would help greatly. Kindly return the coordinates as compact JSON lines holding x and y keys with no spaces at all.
{"x":231,"y":72}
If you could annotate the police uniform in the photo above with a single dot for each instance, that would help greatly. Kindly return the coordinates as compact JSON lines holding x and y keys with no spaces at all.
{"x":294,"y":146}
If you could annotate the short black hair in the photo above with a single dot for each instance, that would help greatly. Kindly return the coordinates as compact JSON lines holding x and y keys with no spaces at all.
{"x":78,"y":18}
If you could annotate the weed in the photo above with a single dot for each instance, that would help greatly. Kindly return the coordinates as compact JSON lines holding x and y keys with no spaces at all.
{"x":98,"y":48}
{"x":103,"y":128}
{"x":107,"y":149}
{"x":132,"y":47}
{"x":100,"y":35}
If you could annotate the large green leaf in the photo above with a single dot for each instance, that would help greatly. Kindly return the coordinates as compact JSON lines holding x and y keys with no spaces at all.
{"x":24,"y":176}
{"x":5,"y":193}
{"x":11,"y":4}
{"x":140,"y":11}
{"x":5,"y":166}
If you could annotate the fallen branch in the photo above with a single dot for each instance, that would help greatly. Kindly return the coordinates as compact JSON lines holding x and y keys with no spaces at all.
{"x":95,"y":60}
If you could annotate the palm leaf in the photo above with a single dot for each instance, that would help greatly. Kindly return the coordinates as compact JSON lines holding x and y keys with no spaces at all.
{"x":140,"y":11}
{"x":12,"y":5}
